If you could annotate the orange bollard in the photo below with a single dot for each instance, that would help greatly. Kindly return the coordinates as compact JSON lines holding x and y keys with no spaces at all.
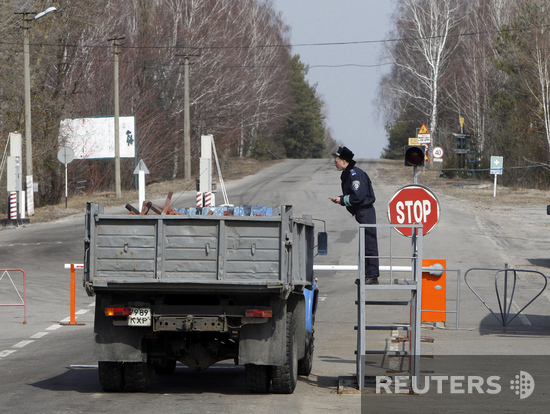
{"x":73,"y":300}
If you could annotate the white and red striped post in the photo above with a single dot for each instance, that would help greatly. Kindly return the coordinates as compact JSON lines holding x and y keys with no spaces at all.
{"x":199,"y":199}
{"x":207,"y":199}
{"x":13,"y":205}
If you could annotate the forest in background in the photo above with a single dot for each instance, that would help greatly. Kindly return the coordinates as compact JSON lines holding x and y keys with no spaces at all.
{"x":246,"y":88}
{"x":487,"y":61}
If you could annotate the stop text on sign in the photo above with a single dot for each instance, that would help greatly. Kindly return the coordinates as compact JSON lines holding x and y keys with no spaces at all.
{"x":418,"y":211}
{"x":413,"y":204}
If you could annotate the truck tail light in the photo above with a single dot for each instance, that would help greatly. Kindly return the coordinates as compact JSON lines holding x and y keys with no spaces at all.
{"x":258,"y":313}
{"x":121,"y":311}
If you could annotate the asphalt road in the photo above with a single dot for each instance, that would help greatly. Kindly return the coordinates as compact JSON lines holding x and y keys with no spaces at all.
{"x":50,"y":368}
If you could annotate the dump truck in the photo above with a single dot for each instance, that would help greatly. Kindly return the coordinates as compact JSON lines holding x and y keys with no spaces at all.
{"x":201,"y":286}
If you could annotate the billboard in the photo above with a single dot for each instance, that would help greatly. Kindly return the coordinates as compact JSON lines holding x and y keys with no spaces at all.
{"x":94,"y":137}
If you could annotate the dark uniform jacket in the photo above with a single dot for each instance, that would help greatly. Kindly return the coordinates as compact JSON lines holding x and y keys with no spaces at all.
{"x":357,"y":189}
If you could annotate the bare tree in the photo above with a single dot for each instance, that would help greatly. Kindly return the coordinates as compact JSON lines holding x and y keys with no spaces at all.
{"x":427,"y":32}
{"x":238,"y":74}
{"x":479,"y":77}
{"x":541,"y":59}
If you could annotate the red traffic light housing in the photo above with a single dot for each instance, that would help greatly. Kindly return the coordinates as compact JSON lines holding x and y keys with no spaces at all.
{"x":415,"y":155}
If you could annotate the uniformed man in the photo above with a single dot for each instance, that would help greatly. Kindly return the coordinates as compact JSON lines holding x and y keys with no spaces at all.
{"x":358,"y":198}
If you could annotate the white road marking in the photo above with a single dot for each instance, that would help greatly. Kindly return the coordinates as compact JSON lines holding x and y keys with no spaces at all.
{"x":31,"y":244}
{"x":38,"y":335}
{"x":6,"y":353}
{"x":23,"y":343}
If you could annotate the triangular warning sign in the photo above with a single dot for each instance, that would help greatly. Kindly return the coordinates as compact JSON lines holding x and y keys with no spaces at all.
{"x":423,"y":130}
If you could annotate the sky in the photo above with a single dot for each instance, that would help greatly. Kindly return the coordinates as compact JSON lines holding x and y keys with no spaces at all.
{"x":348,"y":91}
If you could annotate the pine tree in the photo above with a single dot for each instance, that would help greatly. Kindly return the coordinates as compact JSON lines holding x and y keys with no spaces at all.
{"x":304,"y":133}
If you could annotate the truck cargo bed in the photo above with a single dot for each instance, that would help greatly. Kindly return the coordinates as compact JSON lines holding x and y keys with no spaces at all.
{"x":196,"y":252}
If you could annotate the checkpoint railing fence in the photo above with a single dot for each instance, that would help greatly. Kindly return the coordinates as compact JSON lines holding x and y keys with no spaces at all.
{"x":505,"y":299}
{"x":410,"y":279}
{"x":5,"y":273}
{"x":413,"y":285}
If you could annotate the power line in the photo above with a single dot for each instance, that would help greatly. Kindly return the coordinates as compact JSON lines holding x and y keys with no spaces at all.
{"x":289,"y":45}
{"x":216,"y":47}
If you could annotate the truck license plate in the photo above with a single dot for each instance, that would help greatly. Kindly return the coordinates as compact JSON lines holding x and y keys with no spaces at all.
{"x":140,"y":317}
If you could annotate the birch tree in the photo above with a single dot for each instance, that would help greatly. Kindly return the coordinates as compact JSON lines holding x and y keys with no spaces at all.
{"x":541,"y":58}
{"x":523,"y":57}
{"x":477,"y":76}
{"x":427,"y":31}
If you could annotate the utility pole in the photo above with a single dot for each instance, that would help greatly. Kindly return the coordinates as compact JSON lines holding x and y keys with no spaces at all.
{"x":27,"y":77}
{"x":28,"y":18}
{"x":118,"y":191}
{"x":186,"y":117}
{"x":186,"y":121}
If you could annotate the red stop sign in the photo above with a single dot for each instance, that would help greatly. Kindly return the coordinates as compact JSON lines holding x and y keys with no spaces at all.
{"x":414,"y":204}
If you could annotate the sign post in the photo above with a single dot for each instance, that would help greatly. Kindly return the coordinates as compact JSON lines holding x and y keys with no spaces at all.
{"x":65,"y":155}
{"x":437,"y":155}
{"x":414,"y":204}
{"x":496,"y":169}
{"x":141,"y":170}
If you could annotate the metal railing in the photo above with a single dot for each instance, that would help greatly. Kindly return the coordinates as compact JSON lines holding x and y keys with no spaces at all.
{"x":22,"y":299}
{"x":505,"y":303}
{"x":414,"y":285}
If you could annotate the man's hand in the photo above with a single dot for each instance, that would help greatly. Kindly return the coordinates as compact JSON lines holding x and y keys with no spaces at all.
{"x":335,"y":200}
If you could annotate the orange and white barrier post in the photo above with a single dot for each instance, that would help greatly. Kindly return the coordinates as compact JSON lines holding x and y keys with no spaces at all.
{"x":73,"y":266}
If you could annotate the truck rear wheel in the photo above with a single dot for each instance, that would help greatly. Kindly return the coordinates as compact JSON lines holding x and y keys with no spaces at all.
{"x":285,"y":376}
{"x":258,"y":378}
{"x":110,"y":376}
{"x":137,"y":376}
{"x":306,"y":363}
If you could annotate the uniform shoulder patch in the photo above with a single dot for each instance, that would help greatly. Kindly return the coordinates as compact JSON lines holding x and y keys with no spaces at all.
{"x":352,"y":172}
{"x":355,"y":184}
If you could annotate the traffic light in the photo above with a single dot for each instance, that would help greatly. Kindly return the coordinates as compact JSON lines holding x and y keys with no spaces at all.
{"x":415,"y":155}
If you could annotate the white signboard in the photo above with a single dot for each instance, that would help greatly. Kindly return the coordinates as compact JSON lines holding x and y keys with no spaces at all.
{"x":94,"y":137}
{"x":496,"y":165}
{"x":423,"y":135}
{"x":496,"y":169}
